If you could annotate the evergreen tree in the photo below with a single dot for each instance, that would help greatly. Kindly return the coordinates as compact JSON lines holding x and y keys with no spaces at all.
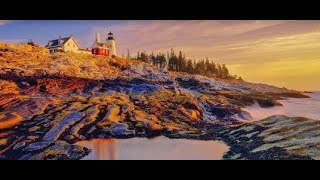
{"x":161,"y":58}
{"x":200,"y":67}
{"x":211,"y":69}
{"x":144,"y":57}
{"x":138,"y":55}
{"x":219,"y":71}
{"x":207,"y":63}
{"x":184,"y":63}
{"x":214,"y":68}
{"x":128,"y":54}
{"x":173,"y":61}
{"x":179,"y":63}
{"x":189,"y":67}
{"x":153,"y":60}
{"x":225,"y":71}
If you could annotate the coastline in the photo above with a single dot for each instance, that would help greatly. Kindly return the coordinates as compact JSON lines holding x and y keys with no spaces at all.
{"x":47,"y":110}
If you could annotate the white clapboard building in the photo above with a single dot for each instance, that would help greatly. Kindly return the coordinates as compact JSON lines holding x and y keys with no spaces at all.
{"x":66,"y":44}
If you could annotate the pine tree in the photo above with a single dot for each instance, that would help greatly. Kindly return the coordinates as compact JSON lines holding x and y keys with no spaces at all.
{"x":225,"y":71}
{"x":214,"y":68}
{"x":179,"y":62}
{"x":161,"y":58}
{"x":211,"y":69}
{"x":200,"y":67}
{"x":173,"y":59}
{"x":184,"y":63}
{"x":154,"y":60}
{"x":207,"y":63}
{"x":128,"y":54}
{"x":189,"y":68}
{"x":144,"y":57}
{"x":219,"y":71}
{"x":173,"y":62}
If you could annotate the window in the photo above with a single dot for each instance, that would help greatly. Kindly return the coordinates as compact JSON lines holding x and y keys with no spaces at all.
{"x":74,"y":45}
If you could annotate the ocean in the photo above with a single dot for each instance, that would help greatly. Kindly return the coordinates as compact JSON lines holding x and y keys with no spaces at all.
{"x":293,"y":107}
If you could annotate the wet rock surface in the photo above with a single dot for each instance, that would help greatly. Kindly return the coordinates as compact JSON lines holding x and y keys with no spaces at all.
{"x":58,"y":150}
{"x":277,"y":137}
{"x":46,"y":107}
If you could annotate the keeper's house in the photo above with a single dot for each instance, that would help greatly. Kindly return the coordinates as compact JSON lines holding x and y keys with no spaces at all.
{"x":66,"y":44}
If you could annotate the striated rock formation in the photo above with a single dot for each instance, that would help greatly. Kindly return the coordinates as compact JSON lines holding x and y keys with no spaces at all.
{"x":49,"y":102}
{"x":277,"y":137}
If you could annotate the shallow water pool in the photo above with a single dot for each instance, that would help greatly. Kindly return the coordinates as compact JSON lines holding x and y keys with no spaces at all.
{"x":159,"y":148}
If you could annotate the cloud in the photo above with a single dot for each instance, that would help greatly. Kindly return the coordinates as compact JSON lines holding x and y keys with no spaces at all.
{"x":2,"y":22}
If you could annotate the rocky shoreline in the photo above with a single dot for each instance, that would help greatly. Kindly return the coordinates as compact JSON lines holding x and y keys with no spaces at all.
{"x":43,"y":113}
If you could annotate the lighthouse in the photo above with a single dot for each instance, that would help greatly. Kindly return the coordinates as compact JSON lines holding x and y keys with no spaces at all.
{"x":112,"y":44}
{"x":107,"y":48}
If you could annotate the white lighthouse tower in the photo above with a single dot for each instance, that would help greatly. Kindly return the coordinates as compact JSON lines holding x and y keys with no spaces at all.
{"x":112,"y":44}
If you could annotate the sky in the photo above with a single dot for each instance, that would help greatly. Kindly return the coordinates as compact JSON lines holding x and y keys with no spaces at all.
{"x":285,"y":53}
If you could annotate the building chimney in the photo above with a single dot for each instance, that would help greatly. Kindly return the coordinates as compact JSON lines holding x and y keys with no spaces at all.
{"x":98,"y":37}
